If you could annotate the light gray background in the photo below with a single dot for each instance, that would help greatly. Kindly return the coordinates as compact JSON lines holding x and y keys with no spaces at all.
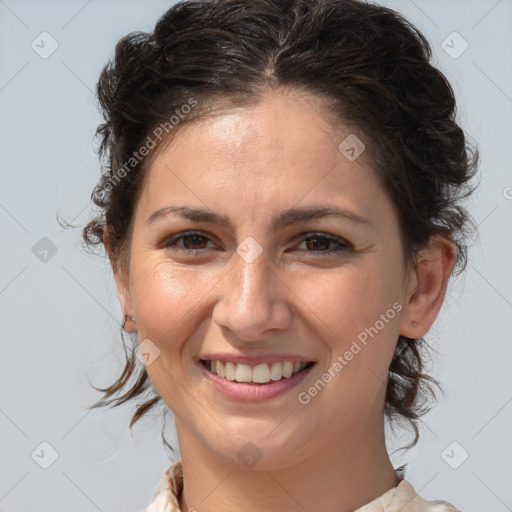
{"x":59,"y":317}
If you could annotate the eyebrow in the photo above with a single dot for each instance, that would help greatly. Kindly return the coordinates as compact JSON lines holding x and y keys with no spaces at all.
{"x":284,"y":219}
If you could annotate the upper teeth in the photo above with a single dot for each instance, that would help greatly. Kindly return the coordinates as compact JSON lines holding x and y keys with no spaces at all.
{"x":260,"y":373}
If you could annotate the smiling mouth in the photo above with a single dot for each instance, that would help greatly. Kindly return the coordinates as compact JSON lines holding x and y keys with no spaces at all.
{"x":258,"y":374}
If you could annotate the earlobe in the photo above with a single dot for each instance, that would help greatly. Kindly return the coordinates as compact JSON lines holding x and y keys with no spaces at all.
{"x":123,"y":292}
{"x":129,"y":324}
{"x":433,"y":268}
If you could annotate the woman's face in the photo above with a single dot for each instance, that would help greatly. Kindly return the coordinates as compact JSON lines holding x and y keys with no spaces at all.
{"x":254,"y":278}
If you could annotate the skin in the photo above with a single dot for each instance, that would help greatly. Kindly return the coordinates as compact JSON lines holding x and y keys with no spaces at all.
{"x":250,"y":164}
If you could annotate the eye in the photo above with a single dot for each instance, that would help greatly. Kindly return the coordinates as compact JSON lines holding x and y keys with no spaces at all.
{"x":319,"y":242}
{"x":193,"y":242}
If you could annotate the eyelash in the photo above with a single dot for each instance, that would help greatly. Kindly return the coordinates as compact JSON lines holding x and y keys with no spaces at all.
{"x":170,"y":243}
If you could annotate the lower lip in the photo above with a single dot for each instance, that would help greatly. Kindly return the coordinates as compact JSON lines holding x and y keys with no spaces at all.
{"x":254,"y":392}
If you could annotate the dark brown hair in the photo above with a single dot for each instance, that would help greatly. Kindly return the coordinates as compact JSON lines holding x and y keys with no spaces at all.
{"x":369,"y":63}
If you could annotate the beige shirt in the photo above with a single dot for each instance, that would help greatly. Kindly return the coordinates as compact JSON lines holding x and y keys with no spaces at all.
{"x":401,"y":498}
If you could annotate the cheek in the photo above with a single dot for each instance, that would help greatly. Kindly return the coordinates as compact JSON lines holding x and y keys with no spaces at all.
{"x":358,"y":310}
{"x":167,"y":301}
{"x":164,"y":297}
{"x":349,"y":301}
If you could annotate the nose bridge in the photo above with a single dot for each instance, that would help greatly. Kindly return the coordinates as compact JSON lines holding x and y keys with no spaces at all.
{"x":253,"y":300}
{"x":251,"y":273}
{"x":252,"y":285}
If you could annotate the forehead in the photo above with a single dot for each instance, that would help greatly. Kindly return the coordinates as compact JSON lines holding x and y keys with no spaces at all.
{"x":282,"y":148}
{"x":276,"y":125}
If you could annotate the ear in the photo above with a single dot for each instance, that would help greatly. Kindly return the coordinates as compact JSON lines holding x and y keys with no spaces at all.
{"x":427,"y":287}
{"x":122,"y":284}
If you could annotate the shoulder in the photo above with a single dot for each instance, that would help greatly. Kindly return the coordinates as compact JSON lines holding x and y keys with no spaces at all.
{"x":441,"y":506}
{"x":407,"y":497}
{"x":404,"y":498}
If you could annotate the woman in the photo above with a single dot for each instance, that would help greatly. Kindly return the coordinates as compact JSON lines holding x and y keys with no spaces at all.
{"x":280,"y":206}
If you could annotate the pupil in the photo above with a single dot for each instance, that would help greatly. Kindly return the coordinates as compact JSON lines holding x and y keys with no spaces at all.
{"x":323,"y":243}
{"x":196,"y":238}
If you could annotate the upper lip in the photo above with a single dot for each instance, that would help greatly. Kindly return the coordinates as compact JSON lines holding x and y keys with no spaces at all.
{"x":254,"y":360}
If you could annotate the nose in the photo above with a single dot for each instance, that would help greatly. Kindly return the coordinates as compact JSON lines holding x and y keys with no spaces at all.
{"x":253,"y":301}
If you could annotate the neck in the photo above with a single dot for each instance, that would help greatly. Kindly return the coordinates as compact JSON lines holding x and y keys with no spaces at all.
{"x":341,"y":477}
